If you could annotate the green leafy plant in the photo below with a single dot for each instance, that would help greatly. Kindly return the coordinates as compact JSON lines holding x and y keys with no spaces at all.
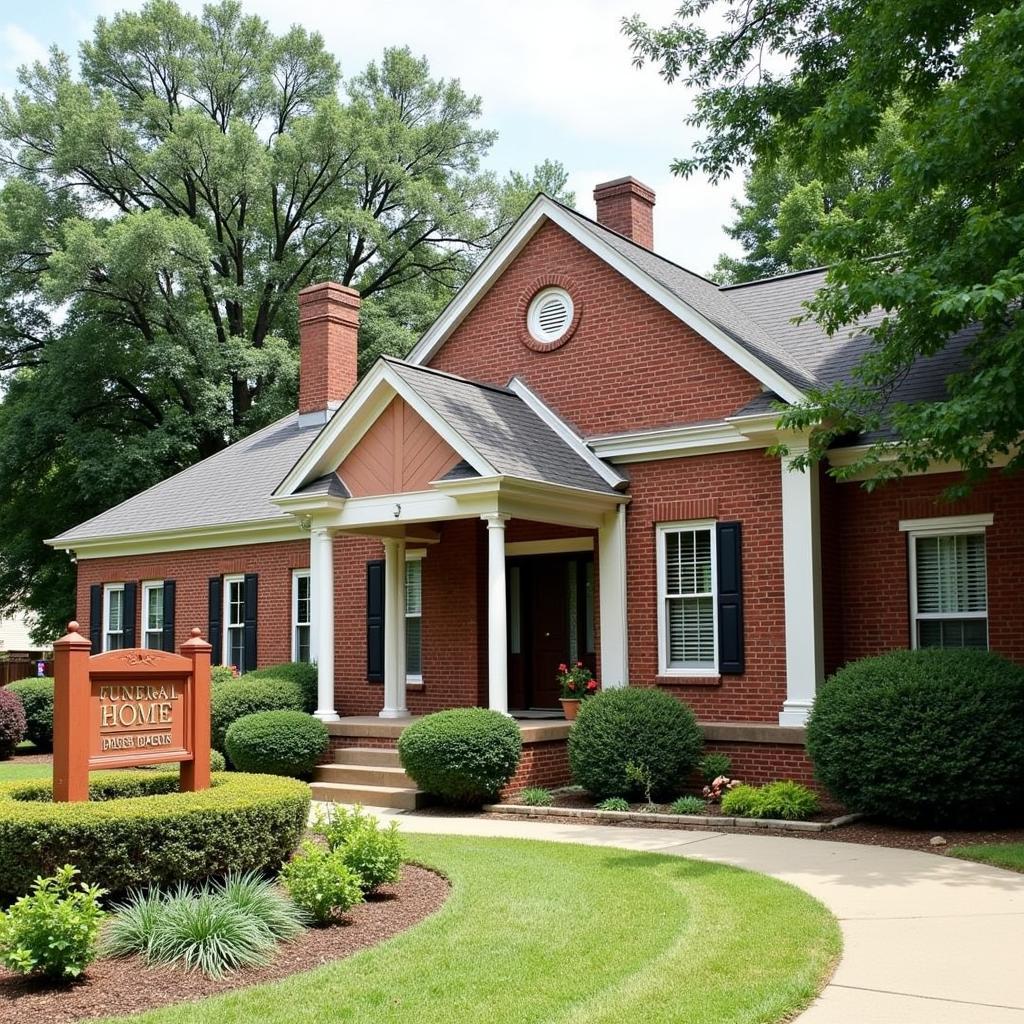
{"x":464,"y":755}
{"x":302,"y":673}
{"x":12,"y":723}
{"x":137,"y":830}
{"x":233,"y":700}
{"x":711,"y":766}
{"x":532,"y":796}
{"x":907,"y":735}
{"x":321,"y":883}
{"x":277,"y":743}
{"x":55,"y":929}
{"x":372,"y":851}
{"x":613,"y":803}
{"x":614,"y":725}
{"x":784,"y":800}
{"x":688,"y":805}
{"x":641,"y":777}
{"x":36,"y":696}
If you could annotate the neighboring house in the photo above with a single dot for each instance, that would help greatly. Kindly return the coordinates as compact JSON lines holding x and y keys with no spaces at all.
{"x":571,"y":464}
{"x":19,"y":653}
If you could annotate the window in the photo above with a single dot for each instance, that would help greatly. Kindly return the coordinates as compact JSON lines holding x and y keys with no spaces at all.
{"x":687,"y":621}
{"x":948,"y":588}
{"x":153,"y":616}
{"x":302,"y":605}
{"x":414,"y":618}
{"x":113,"y":616}
{"x":234,"y":622}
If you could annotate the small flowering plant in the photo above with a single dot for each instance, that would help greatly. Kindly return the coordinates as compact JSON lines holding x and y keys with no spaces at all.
{"x":718,"y":787}
{"x":577,"y":682}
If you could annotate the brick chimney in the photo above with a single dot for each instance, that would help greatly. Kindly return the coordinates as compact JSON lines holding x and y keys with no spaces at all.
{"x":328,"y":330}
{"x":627,"y":206}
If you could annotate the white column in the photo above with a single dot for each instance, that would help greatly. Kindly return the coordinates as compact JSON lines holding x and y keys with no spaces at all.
{"x":497,"y":614}
{"x":801,"y":566}
{"x":321,"y":585}
{"x":394,"y":629}
{"x":611,"y":567}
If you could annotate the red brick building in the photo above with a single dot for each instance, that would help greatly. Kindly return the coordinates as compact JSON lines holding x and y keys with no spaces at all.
{"x":570,"y":464}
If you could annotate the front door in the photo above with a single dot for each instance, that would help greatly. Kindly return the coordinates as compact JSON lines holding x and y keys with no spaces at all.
{"x":551,"y":623}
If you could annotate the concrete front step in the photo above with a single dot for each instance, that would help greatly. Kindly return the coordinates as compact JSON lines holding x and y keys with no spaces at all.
{"x":370,"y":796}
{"x":367,"y":756}
{"x":364,"y":775}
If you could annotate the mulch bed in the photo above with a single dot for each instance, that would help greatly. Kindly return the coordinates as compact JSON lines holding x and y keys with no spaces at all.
{"x":129,"y":986}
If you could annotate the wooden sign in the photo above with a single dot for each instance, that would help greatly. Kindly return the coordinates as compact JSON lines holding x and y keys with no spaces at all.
{"x":126,"y":709}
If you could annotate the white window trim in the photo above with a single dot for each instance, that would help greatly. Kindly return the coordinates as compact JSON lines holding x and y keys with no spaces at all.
{"x":225,"y":648}
{"x":298,"y":574}
{"x":148,"y":586}
{"x":942,"y":526}
{"x":108,"y":589}
{"x":661,"y":530}
{"x":416,"y":555}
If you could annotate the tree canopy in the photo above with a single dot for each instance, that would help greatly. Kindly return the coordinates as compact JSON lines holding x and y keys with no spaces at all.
{"x":805,"y":85}
{"x":160,"y":209}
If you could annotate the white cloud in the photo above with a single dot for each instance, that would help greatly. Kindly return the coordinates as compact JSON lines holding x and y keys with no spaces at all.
{"x":18,"y":47}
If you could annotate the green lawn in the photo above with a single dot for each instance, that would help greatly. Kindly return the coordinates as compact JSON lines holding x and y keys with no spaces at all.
{"x":11,"y":771}
{"x":1001,"y":855}
{"x":545,"y":932}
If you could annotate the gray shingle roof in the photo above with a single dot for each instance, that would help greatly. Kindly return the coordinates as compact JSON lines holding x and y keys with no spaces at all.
{"x":233,"y":486}
{"x":502,"y":428}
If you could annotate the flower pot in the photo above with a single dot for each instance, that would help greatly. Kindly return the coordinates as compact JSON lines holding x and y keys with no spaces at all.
{"x":570,"y":705}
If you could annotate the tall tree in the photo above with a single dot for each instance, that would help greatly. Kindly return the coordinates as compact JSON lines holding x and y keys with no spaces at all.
{"x":161,"y":208}
{"x":809,"y":82}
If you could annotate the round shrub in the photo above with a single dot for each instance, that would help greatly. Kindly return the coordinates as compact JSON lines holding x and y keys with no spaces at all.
{"x":36,"y":696}
{"x":277,"y":743}
{"x":217,"y":761}
{"x":12,"y":723}
{"x":239,"y":697}
{"x":302,"y":673}
{"x":137,"y":830}
{"x":464,"y":755}
{"x":928,"y":737}
{"x":641,"y":727}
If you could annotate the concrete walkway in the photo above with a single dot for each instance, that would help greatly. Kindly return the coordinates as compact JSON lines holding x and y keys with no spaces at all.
{"x":927,"y":940}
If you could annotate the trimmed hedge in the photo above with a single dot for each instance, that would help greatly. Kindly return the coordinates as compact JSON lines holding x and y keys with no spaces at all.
{"x":302,"y":673}
{"x":12,"y":723}
{"x":245,"y":696}
{"x":277,"y":743}
{"x":926,"y":737}
{"x":37,"y":698}
{"x":464,"y":755}
{"x":633,"y":725}
{"x":137,"y":830}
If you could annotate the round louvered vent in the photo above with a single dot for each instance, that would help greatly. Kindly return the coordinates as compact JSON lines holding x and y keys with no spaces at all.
{"x":550,"y":315}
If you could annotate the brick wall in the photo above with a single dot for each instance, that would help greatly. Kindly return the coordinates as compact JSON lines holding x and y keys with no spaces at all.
{"x":758,"y":763}
{"x":743,"y":486}
{"x":629,"y":364}
{"x":544,"y":764}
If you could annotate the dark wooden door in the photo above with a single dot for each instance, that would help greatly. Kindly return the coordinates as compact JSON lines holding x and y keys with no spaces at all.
{"x":549,"y":628}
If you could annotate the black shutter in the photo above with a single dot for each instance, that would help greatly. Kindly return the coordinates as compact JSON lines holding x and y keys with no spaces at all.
{"x":96,"y":617}
{"x":128,"y":613}
{"x":216,"y":606}
{"x":249,"y":650}
{"x":730,"y":599}
{"x":168,"y":640}
{"x":375,"y":621}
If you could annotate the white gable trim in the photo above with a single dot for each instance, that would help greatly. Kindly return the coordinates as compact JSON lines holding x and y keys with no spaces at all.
{"x":609,"y":474}
{"x":543,"y":208}
{"x":359,"y":412}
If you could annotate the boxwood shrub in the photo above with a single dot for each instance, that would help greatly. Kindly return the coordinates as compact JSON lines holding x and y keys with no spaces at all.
{"x":464,"y":755}
{"x":643,"y":727}
{"x":245,"y":696}
{"x":277,"y":743}
{"x":36,"y":697}
{"x":12,"y":723}
{"x":927,"y":737}
{"x":137,"y":830}
{"x":301,"y":673}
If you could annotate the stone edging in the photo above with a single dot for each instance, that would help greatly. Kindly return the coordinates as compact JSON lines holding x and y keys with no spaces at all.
{"x":679,"y":820}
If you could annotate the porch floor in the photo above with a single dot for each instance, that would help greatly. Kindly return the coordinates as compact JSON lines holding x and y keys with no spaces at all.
{"x":534,"y":730}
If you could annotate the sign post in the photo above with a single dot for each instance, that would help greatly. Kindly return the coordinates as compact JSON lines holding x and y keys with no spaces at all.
{"x":129,"y":708}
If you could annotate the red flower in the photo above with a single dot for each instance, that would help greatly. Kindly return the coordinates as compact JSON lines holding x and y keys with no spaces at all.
{"x":563,"y":667}
{"x":579,"y":664}
{"x":592,"y":685}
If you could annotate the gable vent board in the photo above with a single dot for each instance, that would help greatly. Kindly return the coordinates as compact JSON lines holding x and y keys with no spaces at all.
{"x":550,"y":314}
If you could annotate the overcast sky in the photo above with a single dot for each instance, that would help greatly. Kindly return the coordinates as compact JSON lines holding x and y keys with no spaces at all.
{"x":555,"y":77}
